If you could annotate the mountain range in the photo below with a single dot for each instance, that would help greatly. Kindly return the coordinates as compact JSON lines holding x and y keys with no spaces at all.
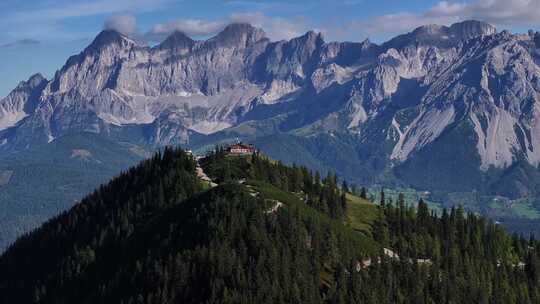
{"x":446,"y":109}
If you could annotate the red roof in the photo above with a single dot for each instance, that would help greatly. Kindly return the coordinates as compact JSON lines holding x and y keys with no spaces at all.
{"x":241,"y":146}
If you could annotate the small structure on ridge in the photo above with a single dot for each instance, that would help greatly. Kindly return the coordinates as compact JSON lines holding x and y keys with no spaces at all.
{"x":241,"y":149}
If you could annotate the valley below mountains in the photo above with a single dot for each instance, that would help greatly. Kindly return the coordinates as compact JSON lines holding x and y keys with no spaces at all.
{"x":453,"y":111}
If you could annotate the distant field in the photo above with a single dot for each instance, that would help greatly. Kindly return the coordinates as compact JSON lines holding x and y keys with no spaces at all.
{"x":521,"y":208}
{"x":412,"y":197}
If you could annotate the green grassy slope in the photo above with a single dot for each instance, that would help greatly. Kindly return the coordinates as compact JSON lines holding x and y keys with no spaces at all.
{"x":361,"y":214}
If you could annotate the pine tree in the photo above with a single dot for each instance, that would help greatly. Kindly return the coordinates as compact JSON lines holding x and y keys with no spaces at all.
{"x":363,"y":193}
{"x":345,"y":186}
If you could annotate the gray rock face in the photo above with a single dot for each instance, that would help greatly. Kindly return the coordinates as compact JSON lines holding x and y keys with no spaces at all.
{"x":442,"y":36}
{"x":493,"y":85}
{"x":440,"y":76}
{"x":21,"y":101}
{"x":471,"y":29}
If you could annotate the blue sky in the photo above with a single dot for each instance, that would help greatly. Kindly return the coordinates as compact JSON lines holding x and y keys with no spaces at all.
{"x":39,"y":35}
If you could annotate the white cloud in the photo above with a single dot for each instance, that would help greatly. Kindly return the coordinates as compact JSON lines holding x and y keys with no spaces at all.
{"x":22,"y":42}
{"x":276,"y":28}
{"x":191,"y":27}
{"x":47,"y":20}
{"x":125,"y":24}
{"x":398,"y":23}
{"x":501,"y":13}
{"x":267,"y":5}
{"x":445,"y":8}
{"x":69,"y":9}
{"x":393,"y":24}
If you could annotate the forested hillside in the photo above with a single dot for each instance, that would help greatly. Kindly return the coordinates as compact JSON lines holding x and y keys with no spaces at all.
{"x":40,"y":183}
{"x":267,"y":233}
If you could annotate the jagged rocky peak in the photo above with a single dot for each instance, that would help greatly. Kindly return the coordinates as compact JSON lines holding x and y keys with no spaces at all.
{"x":472,"y":28}
{"x":347,"y":53}
{"x":366,"y":44}
{"x":34,"y":81}
{"x":313,"y":38}
{"x":109,"y":37}
{"x":239,"y":34}
{"x":442,"y":36}
{"x":429,"y":29}
{"x":177,"y":40}
{"x":462,"y":30}
{"x":305,"y":45}
{"x":21,"y":101}
{"x":536,"y":39}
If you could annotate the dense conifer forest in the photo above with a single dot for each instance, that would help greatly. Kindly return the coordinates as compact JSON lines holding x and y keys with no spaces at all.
{"x":267,"y":233}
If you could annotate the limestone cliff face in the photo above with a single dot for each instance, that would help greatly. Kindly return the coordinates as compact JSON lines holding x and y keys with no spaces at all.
{"x":21,"y":101}
{"x":440,"y":76}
